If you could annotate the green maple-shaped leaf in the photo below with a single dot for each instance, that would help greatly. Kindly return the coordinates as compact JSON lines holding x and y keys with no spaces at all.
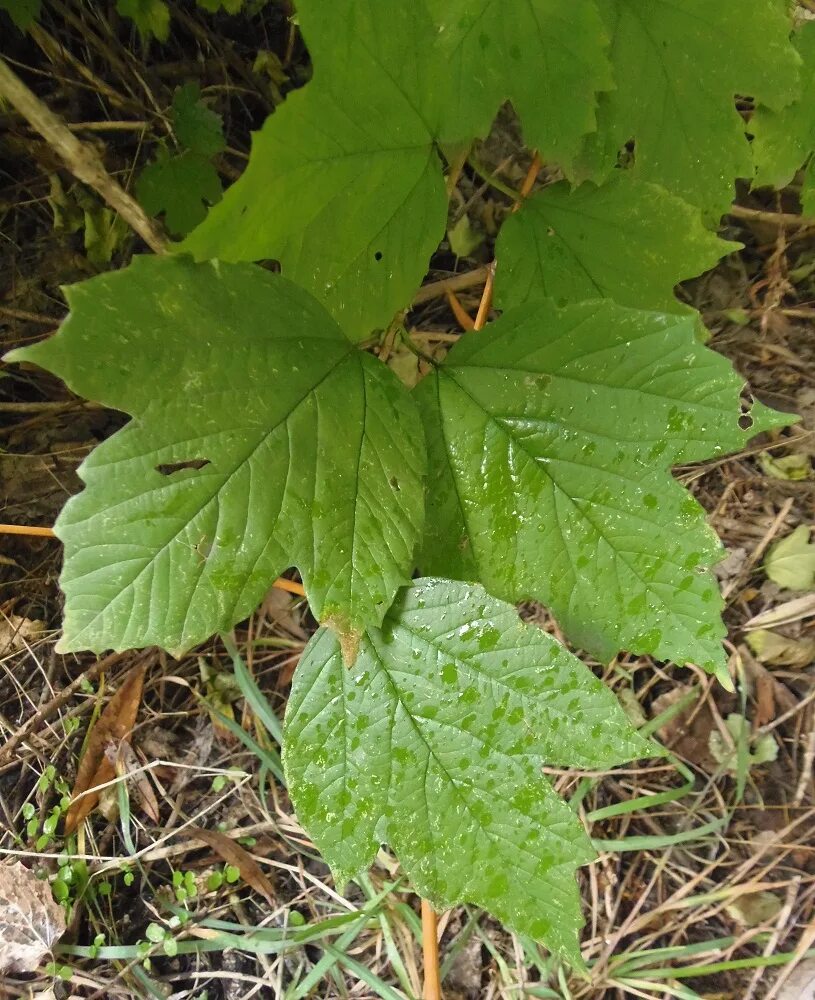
{"x":784,"y":139}
{"x":550,"y":438}
{"x":344,"y":186}
{"x":181,"y":187}
{"x":261,"y":438}
{"x":197,"y":127}
{"x":628,"y":240}
{"x":678,"y":65}
{"x":434,"y":741}
{"x":548,"y":58}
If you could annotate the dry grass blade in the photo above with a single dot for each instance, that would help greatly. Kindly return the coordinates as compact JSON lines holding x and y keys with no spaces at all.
{"x":30,"y":919}
{"x":114,"y":725}
{"x":239,"y":858}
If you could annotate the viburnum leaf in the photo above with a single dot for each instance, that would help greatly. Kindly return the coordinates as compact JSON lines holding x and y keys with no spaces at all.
{"x":678,"y":65}
{"x":261,"y":439}
{"x":197,"y":127}
{"x":548,"y":58}
{"x":784,"y":139}
{"x":550,"y":436}
{"x":179,"y":186}
{"x":434,"y":741}
{"x":344,"y":186}
{"x":627,"y":240}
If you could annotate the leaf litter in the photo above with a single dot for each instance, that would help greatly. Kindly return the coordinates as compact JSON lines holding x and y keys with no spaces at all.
{"x":768,"y":832}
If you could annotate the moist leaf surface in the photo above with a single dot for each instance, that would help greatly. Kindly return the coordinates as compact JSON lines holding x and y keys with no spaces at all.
{"x":551,"y":435}
{"x":433,"y":742}
{"x":273,"y":442}
{"x":627,"y":240}
{"x":344,"y":186}
{"x":678,"y":66}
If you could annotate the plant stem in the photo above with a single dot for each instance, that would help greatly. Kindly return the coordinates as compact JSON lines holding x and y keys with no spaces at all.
{"x":485,"y":304}
{"x":25,"y":529}
{"x":430,"y":952}
{"x":80,"y":158}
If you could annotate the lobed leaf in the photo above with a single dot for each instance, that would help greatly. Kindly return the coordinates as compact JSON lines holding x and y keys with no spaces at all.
{"x":273,"y":442}
{"x":197,"y":127}
{"x":433,"y":742}
{"x":357,"y":204}
{"x":678,"y":65}
{"x":181,"y":187}
{"x":551,"y":435}
{"x":628,"y":240}
{"x":548,"y":58}
{"x":784,"y":139}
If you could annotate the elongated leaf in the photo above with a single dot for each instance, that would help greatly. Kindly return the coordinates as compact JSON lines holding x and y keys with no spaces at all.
{"x":628,"y":240}
{"x":433,"y":741}
{"x":678,"y":65}
{"x":261,"y":439}
{"x":550,"y":436}
{"x":344,"y":186}
{"x":112,"y":727}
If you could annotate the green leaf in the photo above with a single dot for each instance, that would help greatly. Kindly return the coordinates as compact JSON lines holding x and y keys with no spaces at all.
{"x":744,"y":752}
{"x":548,"y":58}
{"x":433,"y":742}
{"x":151,"y":17}
{"x":784,"y":139}
{"x":197,"y":128}
{"x":261,"y":439}
{"x":628,"y":240}
{"x":678,"y":65}
{"x":357,"y":202}
{"x":791,"y":562}
{"x":179,"y":186}
{"x":213,"y":6}
{"x":808,"y":190}
{"x":23,"y":13}
{"x":550,"y":436}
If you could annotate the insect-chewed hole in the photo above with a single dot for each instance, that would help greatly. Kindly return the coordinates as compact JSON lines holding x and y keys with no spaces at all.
{"x":378,"y":255}
{"x":168,"y":468}
{"x":745,"y":421}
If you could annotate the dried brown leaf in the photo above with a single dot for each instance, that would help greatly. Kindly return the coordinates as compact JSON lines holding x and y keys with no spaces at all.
{"x":17,"y":632}
{"x":30,"y":919}
{"x":235,"y":855}
{"x":790,"y":611}
{"x":781,"y":650}
{"x":113,"y":725}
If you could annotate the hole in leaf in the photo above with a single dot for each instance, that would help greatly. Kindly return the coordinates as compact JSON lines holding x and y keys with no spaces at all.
{"x":394,"y":482}
{"x":378,"y":255}
{"x":745,"y":421}
{"x":168,"y":468}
